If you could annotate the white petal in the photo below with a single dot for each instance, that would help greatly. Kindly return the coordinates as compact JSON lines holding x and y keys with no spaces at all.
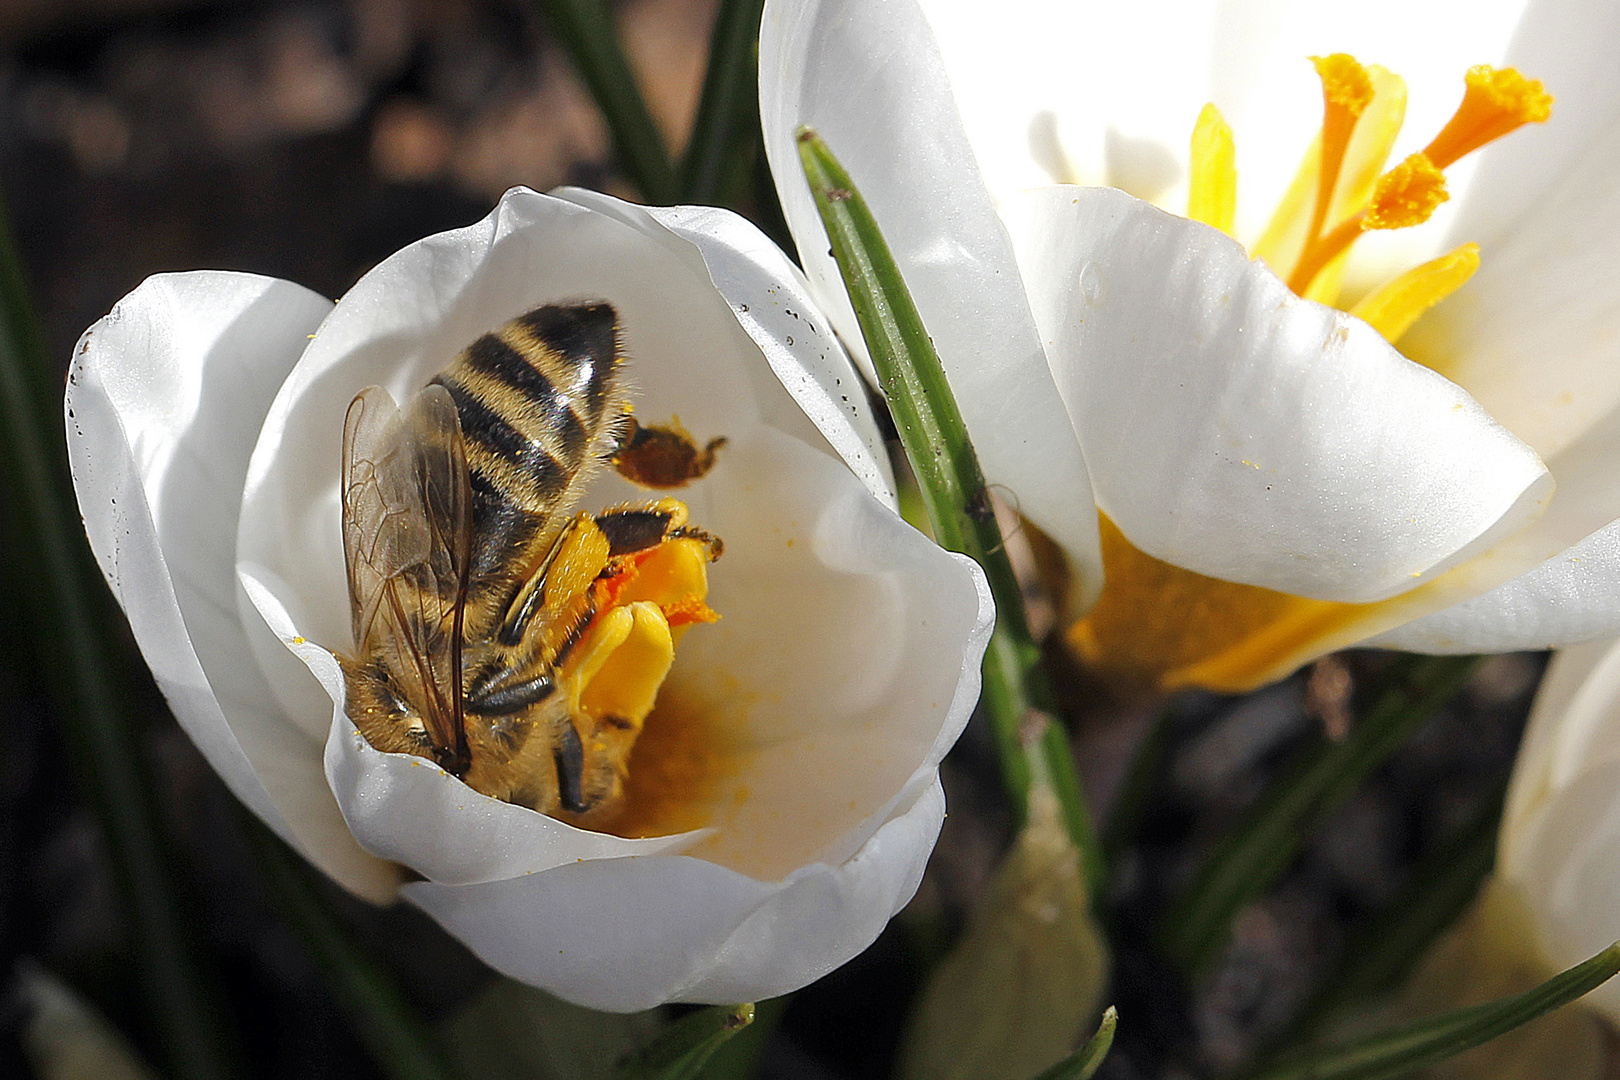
{"x":868,"y":77}
{"x":1560,"y":838}
{"x":1569,"y":732}
{"x":164,"y":399}
{"x":1235,"y":429}
{"x":1553,"y":583}
{"x":1571,"y":874}
{"x":627,"y":934}
{"x":1533,"y":335}
{"x":770,"y":299}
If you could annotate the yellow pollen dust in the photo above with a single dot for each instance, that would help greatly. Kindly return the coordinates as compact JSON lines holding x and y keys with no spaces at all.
{"x":1407,"y":195}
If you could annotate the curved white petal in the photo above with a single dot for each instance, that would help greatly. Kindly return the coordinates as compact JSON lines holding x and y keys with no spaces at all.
{"x":164,"y":399}
{"x":1568,"y":733}
{"x":1534,"y":335}
{"x":1096,"y":92}
{"x":1235,"y":429}
{"x":770,"y":299}
{"x":1560,"y":835}
{"x":868,"y":77}
{"x":844,"y":665}
{"x":669,"y":920}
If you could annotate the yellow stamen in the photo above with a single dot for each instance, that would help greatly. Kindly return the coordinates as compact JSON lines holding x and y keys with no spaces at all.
{"x":1496,"y":102}
{"x":625,"y":682}
{"x":1393,"y":308}
{"x":1212,"y":183}
{"x":1407,"y":195}
{"x":1156,"y":620}
{"x":1347,"y":90}
{"x":1285,"y":236}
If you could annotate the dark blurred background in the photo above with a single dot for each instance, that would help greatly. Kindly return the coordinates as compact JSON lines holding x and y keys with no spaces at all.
{"x":308,"y":139}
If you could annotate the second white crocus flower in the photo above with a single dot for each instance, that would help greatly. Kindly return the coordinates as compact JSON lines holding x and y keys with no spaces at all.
{"x":1273,"y":478}
{"x":788,"y":789}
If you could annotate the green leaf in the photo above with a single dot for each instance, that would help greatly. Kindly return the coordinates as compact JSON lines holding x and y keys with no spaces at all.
{"x":1084,"y":1062}
{"x":683,"y":1048}
{"x":66,"y":602}
{"x":1262,"y":846}
{"x":739,"y":1059}
{"x":1383,"y":948}
{"x":395,"y":1035}
{"x":1030,"y":970}
{"x":586,"y":29}
{"x":1017,"y":697}
{"x":509,"y":1031}
{"x":721,"y":149}
{"x":1405,"y":1049}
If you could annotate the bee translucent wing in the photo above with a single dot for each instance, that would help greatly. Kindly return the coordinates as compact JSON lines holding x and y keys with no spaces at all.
{"x":407,"y":529}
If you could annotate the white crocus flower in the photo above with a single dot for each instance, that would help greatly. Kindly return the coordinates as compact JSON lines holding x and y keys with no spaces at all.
{"x":1275,"y":480}
{"x":792,"y":757}
{"x":1559,"y":845}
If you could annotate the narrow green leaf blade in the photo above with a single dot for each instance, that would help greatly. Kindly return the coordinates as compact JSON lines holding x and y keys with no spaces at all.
{"x":1084,"y":1062}
{"x":586,"y":29}
{"x":1017,"y":697}
{"x":719,"y":153}
{"x":1405,"y":1049}
{"x":67,"y":606}
{"x":395,"y":1035}
{"x":1261,"y":847}
{"x":682,"y":1049}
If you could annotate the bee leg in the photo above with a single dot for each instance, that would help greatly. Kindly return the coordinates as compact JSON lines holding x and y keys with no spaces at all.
{"x":662,"y":455}
{"x":569,"y":755}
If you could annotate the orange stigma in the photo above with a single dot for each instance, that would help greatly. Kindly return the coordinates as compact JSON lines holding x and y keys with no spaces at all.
{"x":1497,"y":101}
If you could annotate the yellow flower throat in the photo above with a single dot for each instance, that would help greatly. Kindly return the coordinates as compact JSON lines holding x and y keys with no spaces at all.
{"x":1158,"y":623}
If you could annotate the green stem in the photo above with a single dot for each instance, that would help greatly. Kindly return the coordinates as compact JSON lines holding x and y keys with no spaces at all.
{"x":1405,"y":1049}
{"x":1017,"y":695}
{"x":728,"y":111}
{"x":63,"y":593}
{"x":586,"y":29}
{"x":395,"y":1036}
{"x":1262,"y":846}
{"x":1084,"y":1062}
{"x":683,"y":1048}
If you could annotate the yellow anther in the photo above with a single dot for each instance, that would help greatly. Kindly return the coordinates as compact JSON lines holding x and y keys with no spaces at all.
{"x":1394,"y":307}
{"x":1212,"y":181}
{"x":1407,"y":195}
{"x":1497,"y":101}
{"x":1347,"y":90}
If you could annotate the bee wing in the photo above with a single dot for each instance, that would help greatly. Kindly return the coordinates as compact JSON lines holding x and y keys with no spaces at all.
{"x":407,"y":539}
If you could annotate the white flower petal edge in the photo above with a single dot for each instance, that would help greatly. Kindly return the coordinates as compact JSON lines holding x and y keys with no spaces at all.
{"x":843,"y":668}
{"x":165,"y":396}
{"x":1560,"y":836}
{"x":869,"y":78}
{"x":1235,"y":429}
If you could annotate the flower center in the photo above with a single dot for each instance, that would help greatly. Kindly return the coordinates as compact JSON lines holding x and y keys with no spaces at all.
{"x":1162,"y":623}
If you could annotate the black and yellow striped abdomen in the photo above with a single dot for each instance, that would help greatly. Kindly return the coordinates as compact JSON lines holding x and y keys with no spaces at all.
{"x":540,"y":402}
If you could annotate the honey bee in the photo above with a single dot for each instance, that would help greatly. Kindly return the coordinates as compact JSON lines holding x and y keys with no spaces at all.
{"x":514,"y":643}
